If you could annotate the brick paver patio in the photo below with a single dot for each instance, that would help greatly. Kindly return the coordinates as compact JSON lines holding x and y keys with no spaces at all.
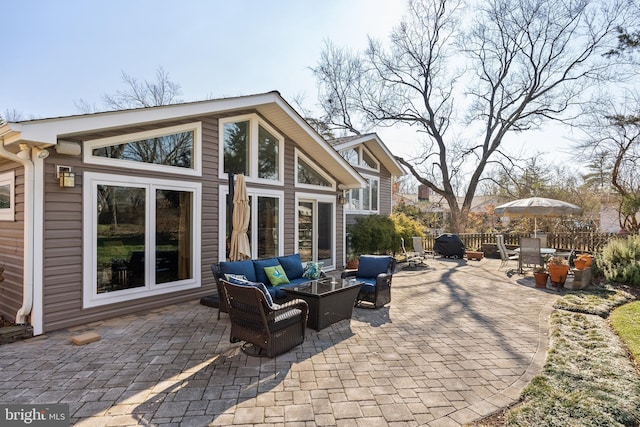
{"x":459,"y":341}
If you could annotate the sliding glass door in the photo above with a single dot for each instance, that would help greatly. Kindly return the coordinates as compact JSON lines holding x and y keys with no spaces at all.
{"x":316,"y":230}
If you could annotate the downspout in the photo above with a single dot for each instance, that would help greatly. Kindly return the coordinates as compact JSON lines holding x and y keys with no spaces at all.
{"x":24,"y":157}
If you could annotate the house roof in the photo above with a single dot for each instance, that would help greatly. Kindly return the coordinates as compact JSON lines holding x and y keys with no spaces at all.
{"x":47,"y":132}
{"x":375,"y":145}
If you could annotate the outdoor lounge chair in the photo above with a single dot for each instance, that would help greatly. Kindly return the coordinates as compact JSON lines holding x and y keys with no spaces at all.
{"x":506,"y":255}
{"x":271,"y":329}
{"x":375,"y":272}
{"x":410,"y":257}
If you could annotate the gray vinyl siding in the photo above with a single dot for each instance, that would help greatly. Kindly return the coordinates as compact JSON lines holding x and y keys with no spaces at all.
{"x":63,"y":240}
{"x":385,"y":191}
{"x":63,"y":234}
{"x":11,"y":247}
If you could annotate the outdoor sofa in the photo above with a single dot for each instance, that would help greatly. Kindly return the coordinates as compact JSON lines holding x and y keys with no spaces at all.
{"x":254,"y":271}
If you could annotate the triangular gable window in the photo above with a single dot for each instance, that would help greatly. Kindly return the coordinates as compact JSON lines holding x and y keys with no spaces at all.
{"x":172,"y":149}
{"x":308,"y":174}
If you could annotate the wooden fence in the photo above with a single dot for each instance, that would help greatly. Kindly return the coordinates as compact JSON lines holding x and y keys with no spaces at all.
{"x":581,"y":242}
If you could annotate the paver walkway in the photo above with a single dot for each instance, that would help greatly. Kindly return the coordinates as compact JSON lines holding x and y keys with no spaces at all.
{"x":459,"y":341}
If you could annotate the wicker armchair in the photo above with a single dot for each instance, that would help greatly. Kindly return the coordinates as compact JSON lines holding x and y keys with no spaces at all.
{"x":271,"y":329}
{"x":376,"y":273}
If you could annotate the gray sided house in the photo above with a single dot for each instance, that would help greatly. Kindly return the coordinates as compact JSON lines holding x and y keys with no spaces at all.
{"x":375,"y":163}
{"x":105,"y":214}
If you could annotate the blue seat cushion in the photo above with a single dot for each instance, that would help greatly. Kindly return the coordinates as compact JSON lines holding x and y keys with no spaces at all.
{"x":244,"y":268}
{"x":368,"y":285}
{"x":292,"y":265}
{"x":261,"y":286}
{"x":370,"y":266}
{"x":276,"y":293}
{"x":260,"y":264}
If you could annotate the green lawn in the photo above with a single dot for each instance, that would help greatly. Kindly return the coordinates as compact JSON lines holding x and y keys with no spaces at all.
{"x":625,"y":321}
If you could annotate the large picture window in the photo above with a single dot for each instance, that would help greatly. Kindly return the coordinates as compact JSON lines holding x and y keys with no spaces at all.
{"x":142,"y":240}
{"x":251,"y":147}
{"x":172,"y":149}
{"x":7,"y":196}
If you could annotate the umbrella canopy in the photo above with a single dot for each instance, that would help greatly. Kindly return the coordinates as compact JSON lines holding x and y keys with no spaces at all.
{"x":535,"y":207}
{"x":240,"y":247}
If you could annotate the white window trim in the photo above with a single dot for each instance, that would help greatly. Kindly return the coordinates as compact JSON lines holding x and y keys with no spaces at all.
{"x":222,"y":219}
{"x":361,"y":211}
{"x":254,"y":122}
{"x":9,"y":178}
{"x":196,"y":127}
{"x":313,"y":197}
{"x":312,"y":164}
{"x":363,"y":164}
{"x":91,"y":298}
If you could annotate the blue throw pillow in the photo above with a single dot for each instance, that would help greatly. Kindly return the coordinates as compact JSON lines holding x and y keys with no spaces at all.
{"x":372,"y":265}
{"x":260,"y":264}
{"x":313,"y":270}
{"x":244,"y":268}
{"x":261,"y":286}
{"x":292,"y":265}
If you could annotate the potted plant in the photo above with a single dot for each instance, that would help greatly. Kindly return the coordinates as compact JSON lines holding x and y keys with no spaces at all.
{"x":541,"y":275}
{"x":476,"y":254}
{"x":558,"y":268}
{"x":352,"y":262}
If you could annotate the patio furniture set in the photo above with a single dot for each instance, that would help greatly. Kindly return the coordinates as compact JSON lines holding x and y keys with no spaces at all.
{"x":270,"y":302}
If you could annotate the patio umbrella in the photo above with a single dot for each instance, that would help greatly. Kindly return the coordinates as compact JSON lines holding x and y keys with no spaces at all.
{"x":240,"y":247}
{"x":536,"y":207}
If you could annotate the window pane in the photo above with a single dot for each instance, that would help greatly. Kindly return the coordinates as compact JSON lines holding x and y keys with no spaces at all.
{"x":308,"y":175}
{"x":5,"y":196}
{"x":351,"y":156}
{"x":267,"y":155}
{"x":374,"y":194}
{"x":173,"y":235}
{"x":366,"y":194}
{"x":168,"y":150}
{"x":120,"y":238}
{"x":305,"y":231}
{"x":268,"y":227}
{"x":354,"y":201}
{"x":236,"y":147}
{"x":325,"y":232}
{"x":368,"y":161}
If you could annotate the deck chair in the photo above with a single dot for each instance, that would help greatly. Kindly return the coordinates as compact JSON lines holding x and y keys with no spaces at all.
{"x":506,"y":255}
{"x":418,"y":248}
{"x":529,"y":253}
{"x":410,"y":257}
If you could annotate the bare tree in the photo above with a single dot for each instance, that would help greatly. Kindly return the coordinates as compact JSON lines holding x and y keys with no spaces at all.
{"x":466,"y":83}
{"x":138,"y":94}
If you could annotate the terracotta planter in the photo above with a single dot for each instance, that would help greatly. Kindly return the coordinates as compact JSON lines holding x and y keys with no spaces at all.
{"x":352,"y":265}
{"x":477,"y":255}
{"x":580,"y":263}
{"x":541,"y":279}
{"x":558,"y":274}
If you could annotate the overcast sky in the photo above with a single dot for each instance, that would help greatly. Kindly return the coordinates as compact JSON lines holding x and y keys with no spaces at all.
{"x":59,"y":52}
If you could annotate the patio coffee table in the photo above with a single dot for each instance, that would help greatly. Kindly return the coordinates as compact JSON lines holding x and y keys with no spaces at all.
{"x":330,"y":300}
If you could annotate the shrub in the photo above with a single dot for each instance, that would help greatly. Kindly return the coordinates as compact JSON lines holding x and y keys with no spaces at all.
{"x":406,"y":227}
{"x":619,"y":260}
{"x":373,"y":234}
